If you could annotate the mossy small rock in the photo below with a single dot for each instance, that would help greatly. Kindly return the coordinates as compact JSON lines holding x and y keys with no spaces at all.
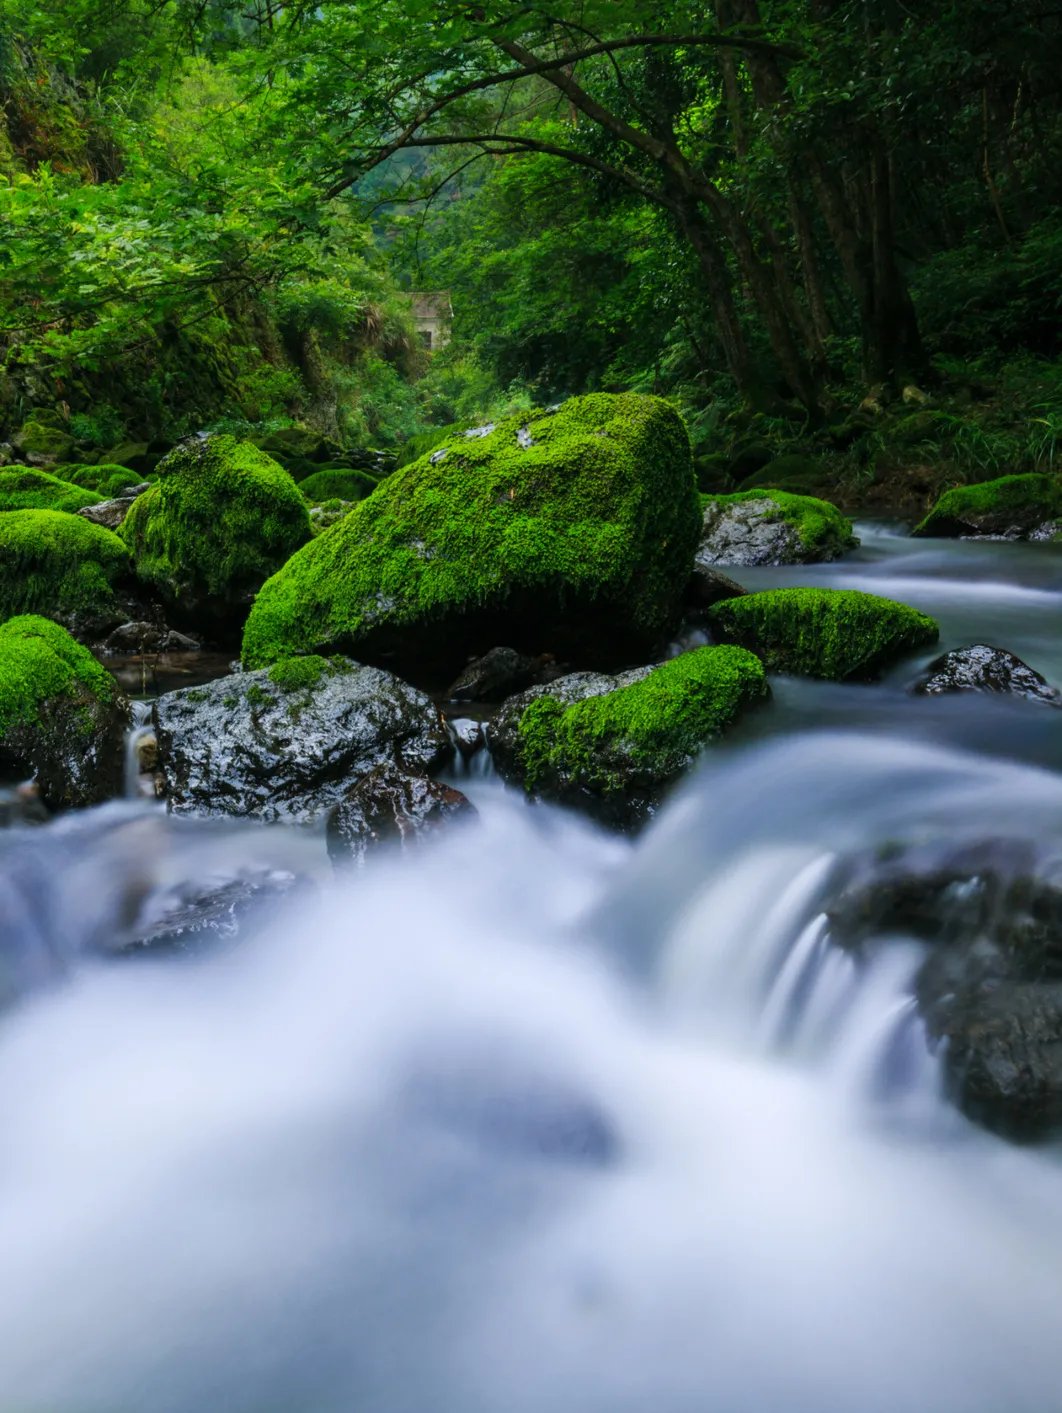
{"x":570,"y":532}
{"x":25,"y":488}
{"x":772,"y":527}
{"x":1012,"y":507}
{"x":62,"y":717}
{"x":837,"y":634}
{"x":41,"y":445}
{"x":221,"y":517}
{"x":109,"y":481}
{"x":614,"y":745}
{"x":62,"y":567}
{"x":337,"y":484}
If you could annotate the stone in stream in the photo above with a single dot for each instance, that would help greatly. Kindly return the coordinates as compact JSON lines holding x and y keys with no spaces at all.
{"x":990,"y":991}
{"x":500,"y":673}
{"x":287,"y":742}
{"x":982,"y":668}
{"x":834,"y":634}
{"x":148,"y":638}
{"x":613,"y":745}
{"x":193,"y":916}
{"x":576,"y":542}
{"x":389,"y":805}
{"x":772,"y":527}
{"x":1010,"y":508}
{"x":707,"y":586}
{"x":62,"y":717}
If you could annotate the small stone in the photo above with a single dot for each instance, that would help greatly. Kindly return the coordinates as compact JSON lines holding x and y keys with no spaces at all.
{"x":389,"y":805}
{"x":983,"y":668}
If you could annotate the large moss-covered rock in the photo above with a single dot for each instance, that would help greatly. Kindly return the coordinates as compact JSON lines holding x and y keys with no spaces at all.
{"x":1017,"y":507}
{"x":41,"y":445}
{"x":569,"y":531}
{"x":24,"y":488}
{"x":831,"y":633}
{"x":772,"y":527}
{"x":62,"y":717}
{"x":613,"y":745}
{"x":63,"y":567}
{"x":221,"y":517}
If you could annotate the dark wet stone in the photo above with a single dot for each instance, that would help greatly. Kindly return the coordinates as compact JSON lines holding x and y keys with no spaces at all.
{"x":498,"y":674}
{"x":110,"y":513}
{"x":982,"y":668}
{"x":198,"y":915}
{"x":148,"y":638}
{"x":390,"y":806}
{"x":708,"y":585}
{"x":245,"y":746}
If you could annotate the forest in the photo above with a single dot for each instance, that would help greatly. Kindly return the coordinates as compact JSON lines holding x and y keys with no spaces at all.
{"x":530,"y":706}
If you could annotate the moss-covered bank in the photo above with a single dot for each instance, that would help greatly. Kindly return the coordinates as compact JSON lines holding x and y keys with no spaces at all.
{"x":221,"y":517}
{"x":562,"y":531}
{"x":1012,"y":505}
{"x":830,"y":633}
{"x":61,"y":566}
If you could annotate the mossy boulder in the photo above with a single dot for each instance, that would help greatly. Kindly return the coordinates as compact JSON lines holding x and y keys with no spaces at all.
{"x":25,"y":488}
{"x":62,"y":567}
{"x":793,"y":472}
{"x":62,"y":717}
{"x":337,"y":484}
{"x":107,"y":479}
{"x":221,"y":517}
{"x":41,"y":445}
{"x":772,"y":527}
{"x":1016,"y":507}
{"x":569,"y":531}
{"x":613,"y":745}
{"x":838,"y":634}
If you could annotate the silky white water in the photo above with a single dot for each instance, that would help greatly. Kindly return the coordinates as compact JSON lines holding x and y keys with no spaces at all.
{"x":534,"y":1121}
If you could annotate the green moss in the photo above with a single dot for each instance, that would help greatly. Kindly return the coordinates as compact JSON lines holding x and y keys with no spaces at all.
{"x":823,"y":530}
{"x":296,"y":673}
{"x":792,"y":472}
{"x":428,"y":440}
{"x":337,"y":485}
{"x":653,"y":728}
{"x":995,"y":506}
{"x":50,"y":443}
{"x":40,"y":661}
{"x":23,"y":488}
{"x":829,"y":633}
{"x":257,"y":696}
{"x":221,"y":517}
{"x":600,"y":509}
{"x":57,"y":564}
{"x":107,"y":479}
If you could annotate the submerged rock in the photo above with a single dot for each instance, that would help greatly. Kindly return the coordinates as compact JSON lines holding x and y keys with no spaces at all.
{"x":196,"y":915}
{"x":287,"y":742}
{"x":982,"y":668}
{"x":837,"y":634}
{"x":1012,"y":508}
{"x":388,"y":805}
{"x":990,"y":990}
{"x":575,"y":540}
{"x":614,"y":745}
{"x":221,"y":517}
{"x":772,"y":527}
{"x":62,"y":718}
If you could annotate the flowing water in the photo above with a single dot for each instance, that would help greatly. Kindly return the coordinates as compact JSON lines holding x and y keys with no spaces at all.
{"x":539,"y":1120}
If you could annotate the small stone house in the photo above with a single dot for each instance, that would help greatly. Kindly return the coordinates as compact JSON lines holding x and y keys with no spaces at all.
{"x":432,"y":313}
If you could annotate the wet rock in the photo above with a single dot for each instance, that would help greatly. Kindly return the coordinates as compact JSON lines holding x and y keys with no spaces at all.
{"x":108,"y":513}
{"x":499,"y":674}
{"x":468,"y":736}
{"x":982,"y":668}
{"x":1009,"y":508}
{"x":391,"y":806}
{"x":22,"y":805}
{"x":286,"y":742}
{"x":772,"y":527}
{"x":708,"y":586}
{"x":144,"y":637}
{"x":503,"y":733}
{"x":195,"y":915}
{"x":990,"y":991}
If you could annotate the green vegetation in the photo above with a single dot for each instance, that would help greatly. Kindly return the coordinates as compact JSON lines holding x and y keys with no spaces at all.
{"x":592,"y":505}
{"x":295,"y":674}
{"x":1010,"y":503}
{"x":40,"y":661}
{"x":824,"y":532}
{"x":107,"y":480}
{"x":334,"y":484}
{"x":652,"y":729}
{"x":220,"y":519}
{"x":838,"y":634}
{"x":59,"y":565}
{"x":22,"y":488}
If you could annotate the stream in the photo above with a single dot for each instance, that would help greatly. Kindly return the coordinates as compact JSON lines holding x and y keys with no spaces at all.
{"x":539,"y":1119}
